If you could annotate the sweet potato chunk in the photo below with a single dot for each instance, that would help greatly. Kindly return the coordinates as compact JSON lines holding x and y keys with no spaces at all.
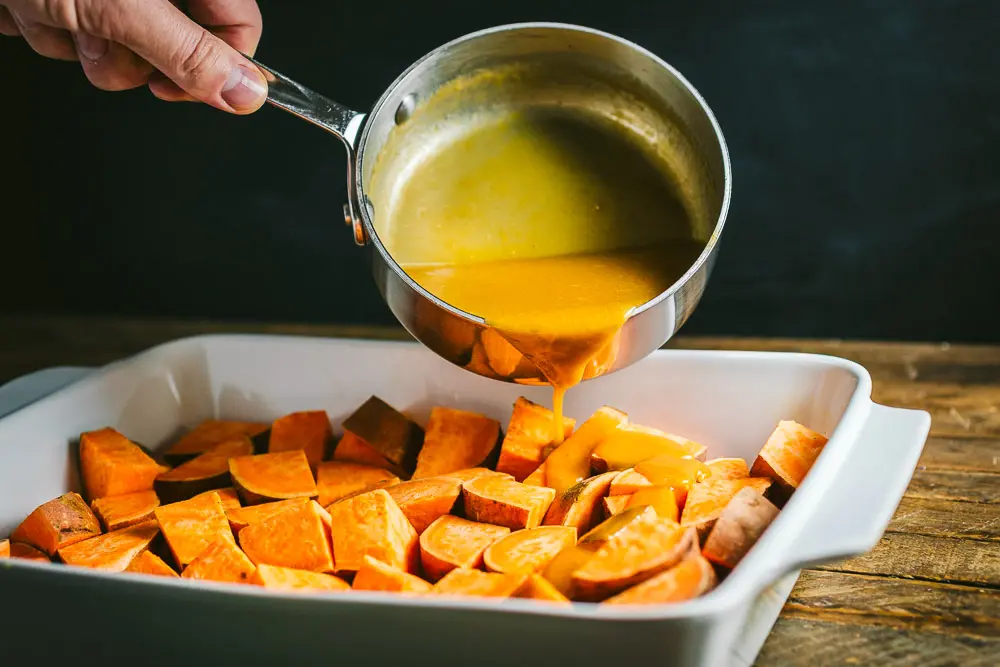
{"x":268,"y":477}
{"x":372,"y":524}
{"x":191,"y":525}
{"x":118,"y":512}
{"x":739,"y":527}
{"x":58,"y":523}
{"x":452,"y":542}
{"x":537,"y":587}
{"x":579,"y":505}
{"x":10,"y":549}
{"x":537,"y":478}
{"x":470,"y":474}
{"x":298,"y":581}
{"x":527,"y":551}
{"x":504,"y":502}
{"x":375,"y":575}
{"x":391,"y":433}
{"x":660,"y":498}
{"x":205,"y":472}
{"x":112,"y":552}
{"x":627,"y":482}
{"x":209,"y":433}
{"x":632,"y":444}
{"x":354,"y":449}
{"x":708,"y":499}
{"x":424,"y":500}
{"x":241,"y":517}
{"x":528,"y":440}
{"x":228,"y":496}
{"x":680,"y":474}
{"x":336,"y":479}
{"x":113,"y":465}
{"x":734,"y":468}
{"x":788,"y":454}
{"x":298,"y":537}
{"x":456,"y":440}
{"x":309,"y":431}
{"x":614,"y":504}
{"x":692,"y":577}
{"x":569,"y":464}
{"x":149,"y":563}
{"x":221,"y":560}
{"x":476,"y":583}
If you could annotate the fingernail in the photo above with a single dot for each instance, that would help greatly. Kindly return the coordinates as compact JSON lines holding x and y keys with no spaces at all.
{"x":244,"y":88}
{"x":90,"y":47}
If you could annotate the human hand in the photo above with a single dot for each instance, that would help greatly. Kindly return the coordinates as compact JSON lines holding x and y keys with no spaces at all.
{"x":123,"y":44}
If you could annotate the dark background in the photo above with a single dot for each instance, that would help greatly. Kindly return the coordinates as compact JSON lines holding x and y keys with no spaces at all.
{"x":864,"y":139}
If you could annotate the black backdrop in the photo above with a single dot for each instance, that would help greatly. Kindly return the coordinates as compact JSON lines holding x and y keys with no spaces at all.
{"x":864,"y":138}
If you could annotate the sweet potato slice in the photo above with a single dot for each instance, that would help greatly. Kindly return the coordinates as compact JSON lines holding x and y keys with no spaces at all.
{"x":476,"y":583}
{"x":579,"y":505}
{"x":788,"y":454}
{"x":191,"y":525}
{"x":296,"y":581}
{"x":627,"y":482}
{"x":205,"y":472}
{"x":209,"y":433}
{"x":738,"y":528}
{"x":336,"y":479}
{"x":228,"y":496}
{"x":268,"y":477}
{"x":221,"y":560}
{"x":633,"y":444}
{"x":112,"y":552}
{"x":354,"y":449}
{"x":113,"y":465}
{"x":528,"y":550}
{"x":387,"y":430}
{"x":569,"y":464}
{"x":241,"y":517}
{"x":680,"y":474}
{"x":707,"y":500}
{"x":309,"y":431}
{"x":149,"y":563}
{"x":456,"y":440}
{"x":298,"y":537}
{"x":537,"y":587}
{"x":528,"y":440}
{"x":660,"y":498}
{"x":118,"y":512}
{"x":614,"y":505}
{"x":504,"y":502}
{"x":424,"y":500}
{"x":58,"y":523}
{"x":372,"y":524}
{"x":10,"y":549}
{"x":537,"y":478}
{"x":452,"y":542}
{"x":375,"y":575}
{"x":732,"y":468}
{"x":691,"y":577}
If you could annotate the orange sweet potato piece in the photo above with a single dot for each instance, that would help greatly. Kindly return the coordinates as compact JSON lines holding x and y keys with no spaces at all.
{"x":118,"y":512}
{"x":221,"y":560}
{"x":707,"y":500}
{"x":375,"y":575}
{"x":241,"y":517}
{"x":691,"y":577}
{"x":10,"y":549}
{"x":660,"y":498}
{"x":528,"y":550}
{"x":627,"y":482}
{"x":205,"y":472}
{"x":528,"y":440}
{"x":680,"y":474}
{"x":298,"y":537}
{"x":372,"y":524}
{"x":268,"y":477}
{"x":504,"y":502}
{"x":424,"y":500}
{"x":58,"y":523}
{"x":632,"y":444}
{"x":336,"y":479}
{"x":614,"y":504}
{"x":149,"y":563}
{"x":309,"y":431}
{"x":738,"y":528}
{"x":387,"y":430}
{"x":452,"y":542}
{"x":456,"y":440}
{"x":296,"y":581}
{"x":579,"y":505}
{"x":569,"y":464}
{"x":476,"y":583}
{"x":354,"y":449}
{"x":112,"y":552}
{"x":470,"y":474}
{"x":113,"y":465}
{"x":788,"y":454}
{"x":537,"y":587}
{"x":191,"y":525}
{"x":729,"y":468}
{"x":229,"y":497}
{"x":536,"y":478}
{"x":209,"y":433}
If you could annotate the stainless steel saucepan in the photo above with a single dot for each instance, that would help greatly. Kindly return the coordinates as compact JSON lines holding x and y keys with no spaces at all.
{"x":553,"y":64}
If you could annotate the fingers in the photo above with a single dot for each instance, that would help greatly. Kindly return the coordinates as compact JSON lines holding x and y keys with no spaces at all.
{"x":166,"y":90}
{"x":109,"y":65}
{"x":46,"y":40}
{"x":7,"y":25}
{"x":236,"y":22}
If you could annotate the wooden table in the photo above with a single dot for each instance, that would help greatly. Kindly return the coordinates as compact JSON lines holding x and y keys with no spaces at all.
{"x":927,"y":595}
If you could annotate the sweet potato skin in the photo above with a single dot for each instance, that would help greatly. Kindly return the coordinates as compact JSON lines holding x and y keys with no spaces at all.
{"x":504,"y":502}
{"x":111,"y":552}
{"x":355,"y":450}
{"x":385,"y":429}
{"x":113,"y":465}
{"x":309,"y":431}
{"x":297,"y":538}
{"x":149,"y":563}
{"x":372,"y":524}
{"x":58,"y":523}
{"x":191,"y":525}
{"x":205,"y":472}
{"x":424,"y":500}
{"x":707,"y":500}
{"x":336,"y":479}
{"x":209,"y":433}
{"x":456,"y":440}
{"x":528,"y":551}
{"x":221,"y":561}
{"x":296,"y":581}
{"x":268,"y":477}
{"x":579,"y":505}
{"x":528,"y":440}
{"x":117,"y":512}
{"x":738,"y":528}
{"x":452,"y":542}
{"x":374,"y":575}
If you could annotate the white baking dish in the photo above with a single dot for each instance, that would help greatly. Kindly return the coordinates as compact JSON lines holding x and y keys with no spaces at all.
{"x":730,"y":401}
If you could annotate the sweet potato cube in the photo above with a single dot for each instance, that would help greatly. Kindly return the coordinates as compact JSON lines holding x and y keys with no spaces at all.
{"x":537,"y":478}
{"x":298,"y":537}
{"x":241,"y":517}
{"x":112,"y":552}
{"x":738,"y":528}
{"x":537,"y":587}
{"x":528,"y":440}
{"x":228,"y":496}
{"x":309,"y":431}
{"x":569,"y":464}
{"x":691,"y":577}
{"x":730,"y":468}
{"x":504,"y":502}
{"x":209,"y":433}
{"x":456,"y":440}
{"x":375,"y":575}
{"x":116,"y":512}
{"x":579,"y":505}
{"x":788,"y":454}
{"x":191,"y":525}
{"x":387,"y":430}
{"x":680,"y":474}
{"x":10,"y":549}
{"x":205,"y":472}
{"x":476,"y":583}
{"x":336,"y":479}
{"x":707,"y":500}
{"x":424,"y":500}
{"x":268,"y":477}
{"x":632,"y":444}
{"x":627,"y":482}
{"x":530,"y":550}
{"x":660,"y":498}
{"x":614,"y":505}
{"x":223,"y":561}
{"x":113,"y":465}
{"x":296,"y":581}
{"x":372,"y":524}
{"x":452,"y":542}
{"x":58,"y":523}
{"x":149,"y":563}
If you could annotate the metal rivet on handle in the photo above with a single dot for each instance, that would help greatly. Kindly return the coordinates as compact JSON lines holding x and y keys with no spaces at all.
{"x":405,"y":109}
